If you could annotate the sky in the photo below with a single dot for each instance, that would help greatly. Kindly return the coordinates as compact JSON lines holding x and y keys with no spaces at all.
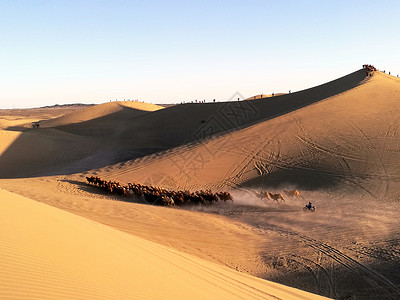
{"x":94,"y":51}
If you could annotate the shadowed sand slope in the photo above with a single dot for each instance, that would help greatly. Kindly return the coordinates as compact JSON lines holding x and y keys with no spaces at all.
{"x":33,"y":151}
{"x":181,"y":124}
{"x":121,"y":135}
{"x":21,"y":119}
{"x":47,"y":253}
{"x":351,"y":139}
{"x":29,"y":152}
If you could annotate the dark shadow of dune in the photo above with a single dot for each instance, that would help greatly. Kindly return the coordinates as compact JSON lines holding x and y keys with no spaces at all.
{"x":171,"y":127}
{"x":275,"y":106}
{"x":71,"y":148}
{"x":194,"y":122}
{"x":17,"y":128}
{"x":83,"y":186}
{"x":307,"y":179}
{"x":125,"y":135}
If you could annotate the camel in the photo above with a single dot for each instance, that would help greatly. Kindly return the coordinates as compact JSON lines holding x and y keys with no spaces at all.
{"x":166,"y":201}
{"x":208,"y":196}
{"x":276,"y":197}
{"x":178,"y":197}
{"x":262,"y":194}
{"x":225,"y":196}
{"x":292,"y":193}
{"x":90,"y":179}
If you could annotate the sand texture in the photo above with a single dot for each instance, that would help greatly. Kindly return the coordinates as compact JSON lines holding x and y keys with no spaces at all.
{"x":47,"y":253}
{"x":337,"y":143}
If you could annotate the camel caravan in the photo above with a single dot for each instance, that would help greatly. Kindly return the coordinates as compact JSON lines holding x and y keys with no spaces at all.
{"x":159,"y":196}
{"x":278,"y":196}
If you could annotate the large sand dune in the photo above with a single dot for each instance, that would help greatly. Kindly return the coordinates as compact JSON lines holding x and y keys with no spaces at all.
{"x":341,"y":142}
{"x":338,"y":143}
{"x":47,"y":253}
{"x":122,"y":134}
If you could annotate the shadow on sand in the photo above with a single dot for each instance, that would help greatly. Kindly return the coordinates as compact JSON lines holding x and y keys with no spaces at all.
{"x":124,"y":135}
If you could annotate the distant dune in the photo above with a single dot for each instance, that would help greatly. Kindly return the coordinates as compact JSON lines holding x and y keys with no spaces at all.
{"x":97,"y":111}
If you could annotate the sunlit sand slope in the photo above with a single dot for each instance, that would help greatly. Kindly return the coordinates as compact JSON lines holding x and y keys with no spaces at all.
{"x":119,"y":133}
{"x":348,"y":140}
{"x":47,"y":253}
{"x":181,"y":124}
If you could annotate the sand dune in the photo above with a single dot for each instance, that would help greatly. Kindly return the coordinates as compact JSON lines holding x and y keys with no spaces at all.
{"x":23,"y":118}
{"x":52,"y":149}
{"x":340,"y":141}
{"x":98,"y":111}
{"x":123,"y":135}
{"x":337,"y":143}
{"x":47,"y":253}
{"x":45,"y":148}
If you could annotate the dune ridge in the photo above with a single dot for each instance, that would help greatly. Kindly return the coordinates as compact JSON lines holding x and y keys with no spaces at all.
{"x":122,"y":135}
{"x":101,"y":110}
{"x":335,"y":141}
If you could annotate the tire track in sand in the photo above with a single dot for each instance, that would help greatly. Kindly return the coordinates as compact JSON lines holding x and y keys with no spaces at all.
{"x":381,"y":284}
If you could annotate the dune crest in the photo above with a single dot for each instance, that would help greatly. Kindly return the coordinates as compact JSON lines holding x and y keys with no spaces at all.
{"x":118,"y":133}
{"x":98,"y":111}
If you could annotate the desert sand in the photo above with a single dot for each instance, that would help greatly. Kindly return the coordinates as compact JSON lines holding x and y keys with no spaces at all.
{"x":47,"y":253}
{"x":337,"y":143}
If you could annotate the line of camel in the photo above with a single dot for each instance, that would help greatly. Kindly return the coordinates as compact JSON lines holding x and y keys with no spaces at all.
{"x":277,"y":197}
{"x":159,"y":196}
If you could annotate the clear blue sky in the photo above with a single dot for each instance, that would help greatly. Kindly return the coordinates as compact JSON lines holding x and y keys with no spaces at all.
{"x":57,"y":52}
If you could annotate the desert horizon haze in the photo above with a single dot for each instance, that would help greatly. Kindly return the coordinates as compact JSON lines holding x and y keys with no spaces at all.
{"x":161,"y":52}
{"x":337,"y":144}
